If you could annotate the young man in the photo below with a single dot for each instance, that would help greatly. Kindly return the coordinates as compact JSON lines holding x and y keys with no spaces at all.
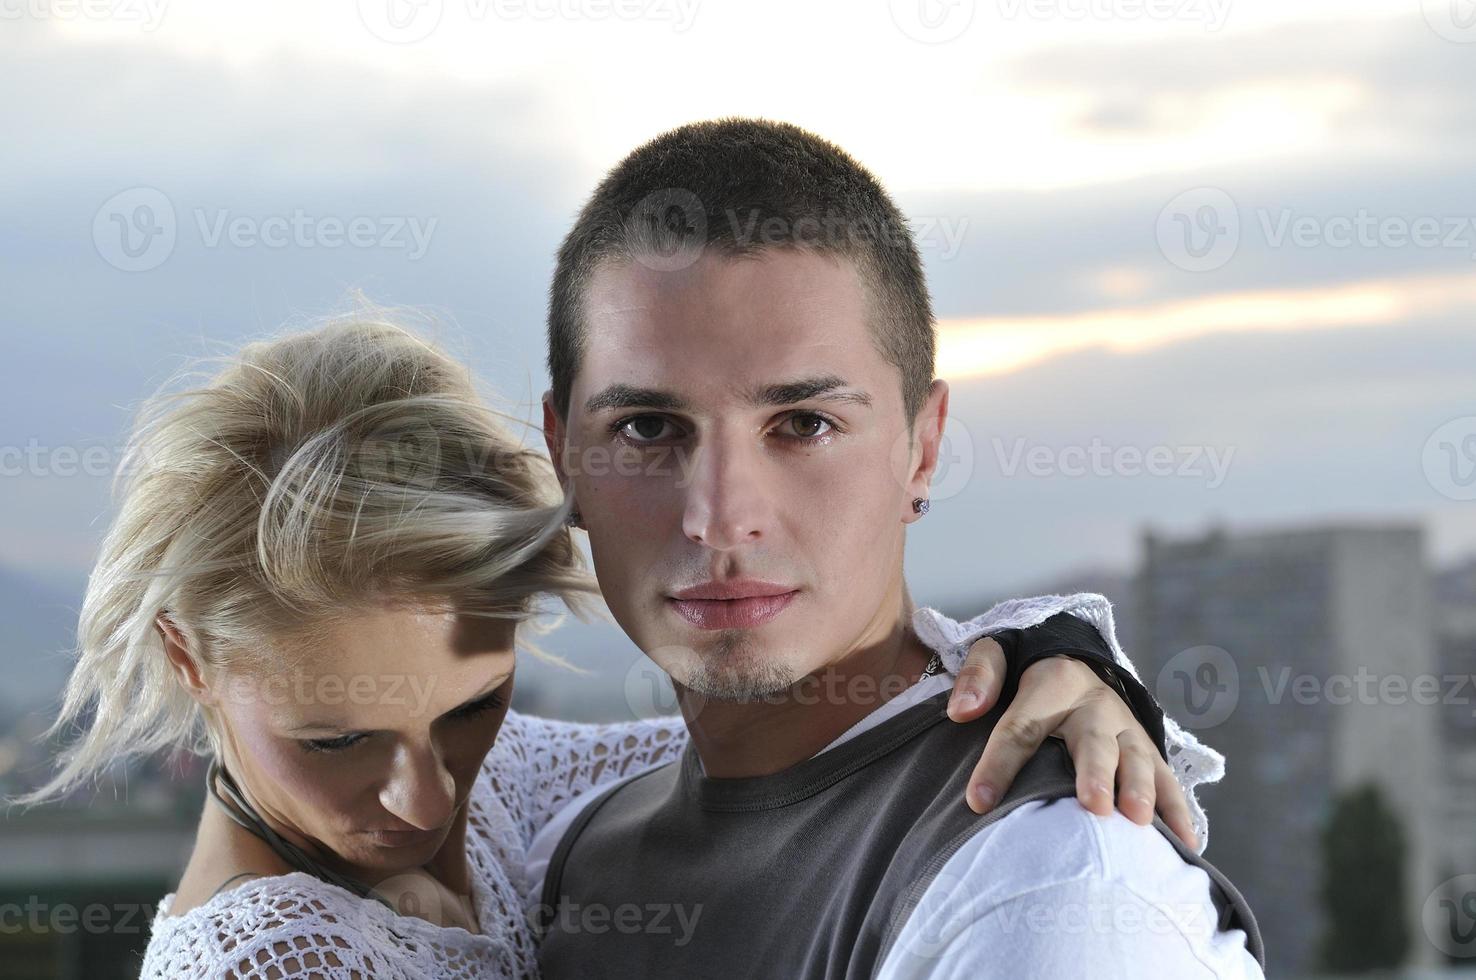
{"x":743,"y":406}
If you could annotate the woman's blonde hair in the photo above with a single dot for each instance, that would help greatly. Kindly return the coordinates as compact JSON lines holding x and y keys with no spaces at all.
{"x":316,"y":471}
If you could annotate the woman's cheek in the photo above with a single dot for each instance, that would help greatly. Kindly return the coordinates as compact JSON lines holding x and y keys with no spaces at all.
{"x":297,"y":781}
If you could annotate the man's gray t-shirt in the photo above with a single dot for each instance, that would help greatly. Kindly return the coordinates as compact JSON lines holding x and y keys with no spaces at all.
{"x":809,"y":872}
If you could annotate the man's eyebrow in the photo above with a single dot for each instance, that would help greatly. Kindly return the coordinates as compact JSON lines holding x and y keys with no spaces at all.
{"x":827,"y":387}
{"x":630,"y":396}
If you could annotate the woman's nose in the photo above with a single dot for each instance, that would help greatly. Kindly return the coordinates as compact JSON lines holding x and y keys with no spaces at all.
{"x":422,"y":791}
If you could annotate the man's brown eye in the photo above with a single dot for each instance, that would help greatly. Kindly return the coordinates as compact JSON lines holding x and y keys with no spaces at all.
{"x":808,"y":426}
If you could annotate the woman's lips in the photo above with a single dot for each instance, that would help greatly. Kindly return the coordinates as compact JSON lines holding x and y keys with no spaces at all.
{"x":727,"y":614}
{"x":402,"y":838}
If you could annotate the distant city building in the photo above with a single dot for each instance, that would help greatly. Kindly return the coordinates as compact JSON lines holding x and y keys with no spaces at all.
{"x":1455,"y":637}
{"x":1297,"y":654}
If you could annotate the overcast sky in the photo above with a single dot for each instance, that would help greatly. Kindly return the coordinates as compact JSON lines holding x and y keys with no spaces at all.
{"x":1166,"y":245}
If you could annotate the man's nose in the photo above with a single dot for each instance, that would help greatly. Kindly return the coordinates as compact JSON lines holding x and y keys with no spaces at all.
{"x":422,"y":791}
{"x":727,"y":499}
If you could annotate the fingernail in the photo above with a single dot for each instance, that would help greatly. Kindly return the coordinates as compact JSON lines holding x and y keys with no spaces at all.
{"x":984,"y":796}
{"x":965,"y":700}
{"x":1101,"y":790}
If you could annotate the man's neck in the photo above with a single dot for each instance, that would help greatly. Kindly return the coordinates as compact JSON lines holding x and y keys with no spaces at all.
{"x":757,"y":738}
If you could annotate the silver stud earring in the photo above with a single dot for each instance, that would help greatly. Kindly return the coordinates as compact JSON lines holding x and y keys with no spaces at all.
{"x":920,"y":505}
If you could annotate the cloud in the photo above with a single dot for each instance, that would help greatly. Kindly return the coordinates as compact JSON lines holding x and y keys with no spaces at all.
{"x":969,"y":347}
{"x":1403,"y":79}
{"x":501,"y":170}
{"x":1078,"y":249}
{"x":1315,"y":426}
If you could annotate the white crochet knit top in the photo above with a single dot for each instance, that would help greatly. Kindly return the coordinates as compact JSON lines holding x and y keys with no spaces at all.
{"x":297,"y":926}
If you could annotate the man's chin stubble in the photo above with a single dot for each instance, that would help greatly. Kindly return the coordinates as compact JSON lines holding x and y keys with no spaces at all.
{"x":731,"y":672}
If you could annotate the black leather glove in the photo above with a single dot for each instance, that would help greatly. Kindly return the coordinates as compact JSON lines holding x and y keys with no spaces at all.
{"x":1064,"y":635}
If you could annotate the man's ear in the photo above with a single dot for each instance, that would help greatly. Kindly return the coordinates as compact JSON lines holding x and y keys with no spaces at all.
{"x":927,"y":431}
{"x":553,"y":437}
{"x":177,"y":652}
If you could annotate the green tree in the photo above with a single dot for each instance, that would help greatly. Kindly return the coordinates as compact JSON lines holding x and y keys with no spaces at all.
{"x":1363,"y":884}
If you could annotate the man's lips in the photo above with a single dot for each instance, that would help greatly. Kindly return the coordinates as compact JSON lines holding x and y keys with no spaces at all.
{"x":735,"y":604}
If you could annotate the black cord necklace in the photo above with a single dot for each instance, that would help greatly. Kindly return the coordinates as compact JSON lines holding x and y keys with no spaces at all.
{"x":228,"y":795}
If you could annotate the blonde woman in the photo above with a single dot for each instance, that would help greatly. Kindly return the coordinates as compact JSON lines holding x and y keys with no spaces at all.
{"x":322,"y":558}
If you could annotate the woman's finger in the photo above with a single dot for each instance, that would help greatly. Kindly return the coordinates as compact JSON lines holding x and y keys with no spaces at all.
{"x":1049,"y":691}
{"x":979,"y":682}
{"x":1173,"y":805}
{"x":1136,"y":789}
{"x":1094,"y":754}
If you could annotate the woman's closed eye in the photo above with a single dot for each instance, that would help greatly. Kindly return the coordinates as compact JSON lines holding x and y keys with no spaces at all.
{"x":488,"y":703}
{"x":337,"y":744}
